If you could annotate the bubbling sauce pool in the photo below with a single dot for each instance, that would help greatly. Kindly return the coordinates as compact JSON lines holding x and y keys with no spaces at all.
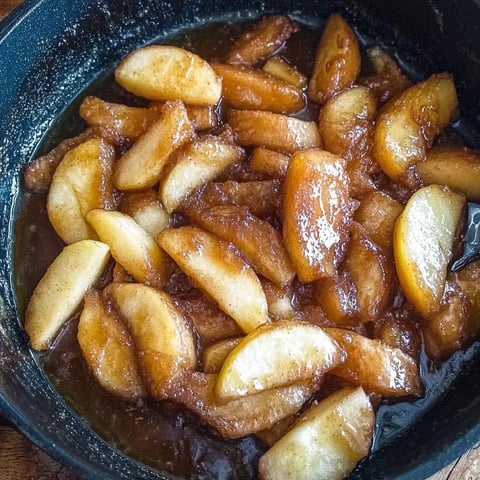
{"x":163,"y":434}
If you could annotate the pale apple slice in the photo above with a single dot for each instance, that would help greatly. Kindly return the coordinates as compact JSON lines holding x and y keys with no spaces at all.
{"x":422,"y":245}
{"x":326,"y":442}
{"x":376,"y":366}
{"x":281,"y":69}
{"x":131,"y":246}
{"x":338,"y":60}
{"x":82,"y":182}
{"x":407,"y":126}
{"x":243,"y":416}
{"x":219,"y":270}
{"x":257,"y":239}
{"x":142,"y":165}
{"x":108,"y":349}
{"x":315,"y":213}
{"x":61,"y":290}
{"x":275,"y":355}
{"x":164,"y":72}
{"x":456,"y":167}
{"x":214,"y":355}
{"x":195,"y":165}
{"x":164,"y":342}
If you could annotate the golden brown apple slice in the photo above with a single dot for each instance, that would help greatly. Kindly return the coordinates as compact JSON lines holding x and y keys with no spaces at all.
{"x":142,"y":165}
{"x":423,"y":242}
{"x":272,"y":130}
{"x":407,"y":126}
{"x":243,"y":416}
{"x":376,"y":366}
{"x":282,"y":353}
{"x":257,"y":239}
{"x":273,"y":163}
{"x":456,"y":167}
{"x":131,"y":246}
{"x":146,"y":210}
{"x":279,"y":300}
{"x":203,"y":117}
{"x":164,"y":342}
{"x":315,"y":213}
{"x":82,"y":182}
{"x":326,"y":442}
{"x":219,"y":270}
{"x":214,"y":355}
{"x":61,"y":290}
{"x":263,"y":39}
{"x":164,"y":72}
{"x":281,"y":69}
{"x":337,"y":63}
{"x":195,"y":165}
{"x":248,"y":89}
{"x":108,"y":349}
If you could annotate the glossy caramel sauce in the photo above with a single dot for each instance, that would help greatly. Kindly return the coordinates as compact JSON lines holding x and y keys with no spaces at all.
{"x":163,"y":434}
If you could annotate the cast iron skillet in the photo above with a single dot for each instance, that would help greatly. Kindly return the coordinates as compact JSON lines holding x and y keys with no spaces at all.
{"x":50,"y":50}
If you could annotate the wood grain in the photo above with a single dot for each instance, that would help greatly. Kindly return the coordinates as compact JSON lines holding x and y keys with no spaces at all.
{"x":21,"y":460}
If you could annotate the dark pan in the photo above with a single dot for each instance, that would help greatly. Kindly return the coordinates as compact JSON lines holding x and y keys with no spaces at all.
{"x":51,"y":50}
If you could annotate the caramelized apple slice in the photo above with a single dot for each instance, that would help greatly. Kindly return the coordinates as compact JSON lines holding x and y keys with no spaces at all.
{"x":407,"y":126}
{"x":263,"y":39}
{"x":195,"y":165}
{"x":163,"y":340}
{"x":271,"y":130}
{"x":281,"y":69}
{"x":82,"y":182}
{"x":257,"y":239}
{"x":214,"y":355}
{"x":131,"y":246}
{"x":164,"y":72}
{"x":275,"y":355}
{"x":327,"y":441}
{"x":61,"y":290}
{"x":337,"y":64}
{"x":142,"y":165}
{"x":219,"y":270}
{"x":315,"y":213}
{"x":270,"y":162}
{"x":376,"y":366}
{"x":249,"y":89}
{"x":456,"y":167}
{"x":423,"y":241}
{"x":108,"y":349}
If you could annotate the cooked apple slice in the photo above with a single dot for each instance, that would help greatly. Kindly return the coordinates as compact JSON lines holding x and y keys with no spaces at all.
{"x":195,"y":165}
{"x":82,"y":182}
{"x":275,"y":355}
{"x":279,"y":300}
{"x":272,"y":130}
{"x":327,"y":441}
{"x":456,"y":167}
{"x":61,"y":290}
{"x":108,"y":349}
{"x":376,"y":366}
{"x":249,"y":89}
{"x":257,"y":239}
{"x":346,"y":123}
{"x":214,"y":355}
{"x":203,"y":117}
{"x":243,"y":416}
{"x":146,"y":210}
{"x":263,"y":39}
{"x":117,"y":121}
{"x":219,"y":270}
{"x":281,"y":69}
{"x":164,"y":72}
{"x":337,"y":63}
{"x":142,"y":165}
{"x":407,"y":126}
{"x":315,"y":213}
{"x":422,"y":245}
{"x":131,"y":246}
{"x":267,"y":161}
{"x":164,"y":342}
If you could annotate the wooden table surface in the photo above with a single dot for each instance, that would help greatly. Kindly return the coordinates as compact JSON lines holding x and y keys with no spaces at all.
{"x":21,"y":460}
